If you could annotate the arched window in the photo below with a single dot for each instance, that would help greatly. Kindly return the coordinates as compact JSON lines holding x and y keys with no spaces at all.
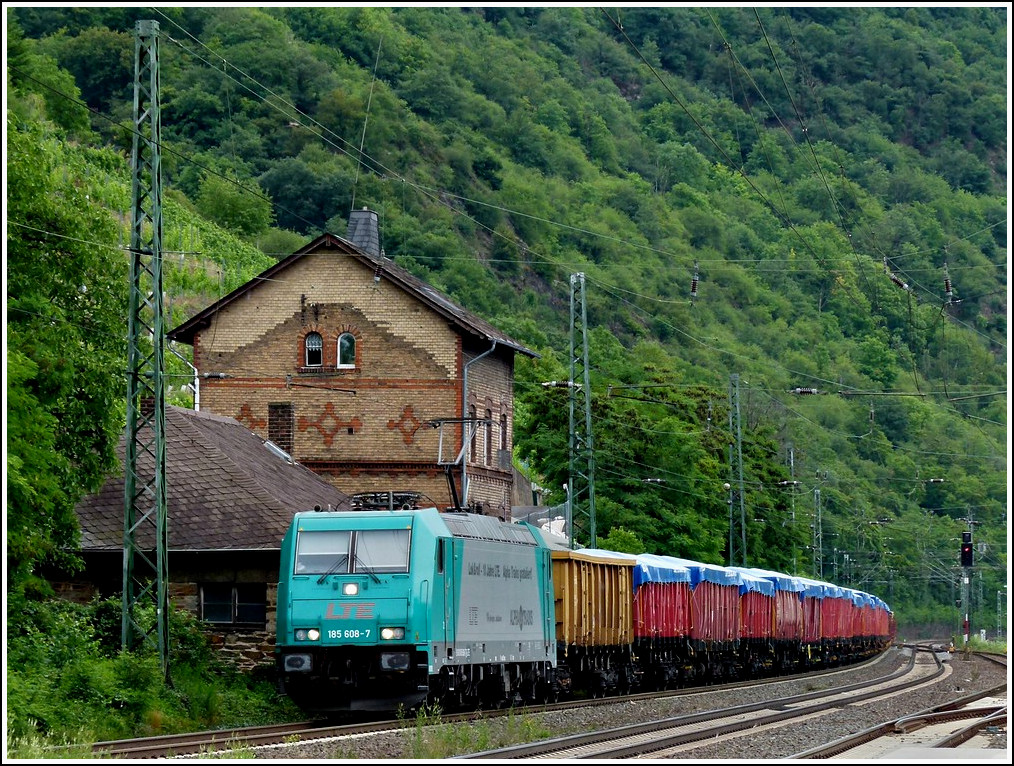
{"x":503,"y":430}
{"x":314,"y":349}
{"x":346,"y":350}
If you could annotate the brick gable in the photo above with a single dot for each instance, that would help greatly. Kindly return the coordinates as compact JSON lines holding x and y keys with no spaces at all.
{"x":369,"y":428}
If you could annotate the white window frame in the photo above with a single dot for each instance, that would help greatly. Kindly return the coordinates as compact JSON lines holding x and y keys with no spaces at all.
{"x":352,"y":345}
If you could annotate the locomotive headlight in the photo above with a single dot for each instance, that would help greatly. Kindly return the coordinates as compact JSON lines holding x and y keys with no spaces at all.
{"x":307,"y":634}
{"x":392,"y":634}
{"x":350,"y":588}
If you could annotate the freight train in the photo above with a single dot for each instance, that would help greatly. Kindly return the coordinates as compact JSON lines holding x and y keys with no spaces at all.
{"x":392,"y":610}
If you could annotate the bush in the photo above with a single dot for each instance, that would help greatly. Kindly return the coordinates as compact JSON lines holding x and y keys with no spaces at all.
{"x":70,"y":683}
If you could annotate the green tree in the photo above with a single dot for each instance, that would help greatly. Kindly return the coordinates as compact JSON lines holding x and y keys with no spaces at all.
{"x":35,"y":72}
{"x":233,"y":205}
{"x":66,"y":303}
{"x":305,"y":196}
{"x":621,"y":540}
{"x":101,"y":60}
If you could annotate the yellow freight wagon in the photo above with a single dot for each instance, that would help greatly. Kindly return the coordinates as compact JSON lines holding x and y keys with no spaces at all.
{"x":593,"y":591}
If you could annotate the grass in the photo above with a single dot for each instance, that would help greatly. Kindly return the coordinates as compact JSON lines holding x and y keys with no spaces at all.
{"x":431,"y":739}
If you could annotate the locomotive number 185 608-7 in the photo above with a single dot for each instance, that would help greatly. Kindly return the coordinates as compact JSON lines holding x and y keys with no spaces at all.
{"x":349,"y":633}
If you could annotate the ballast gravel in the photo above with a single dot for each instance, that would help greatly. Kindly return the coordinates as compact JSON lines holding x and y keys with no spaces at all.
{"x":967,"y":675}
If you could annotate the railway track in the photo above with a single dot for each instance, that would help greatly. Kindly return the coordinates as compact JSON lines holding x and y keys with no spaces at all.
{"x":298,"y":734}
{"x":660,"y":739}
{"x":237,"y":739}
{"x":942,"y":727}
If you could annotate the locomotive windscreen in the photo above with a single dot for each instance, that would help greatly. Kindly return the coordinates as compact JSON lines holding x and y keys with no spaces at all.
{"x":350,"y":551}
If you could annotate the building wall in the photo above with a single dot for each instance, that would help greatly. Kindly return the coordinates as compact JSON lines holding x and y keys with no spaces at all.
{"x":368,"y":428}
{"x":488,"y":468}
{"x":245,"y":648}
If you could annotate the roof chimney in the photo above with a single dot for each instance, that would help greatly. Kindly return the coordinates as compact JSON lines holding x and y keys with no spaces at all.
{"x":364,"y":231}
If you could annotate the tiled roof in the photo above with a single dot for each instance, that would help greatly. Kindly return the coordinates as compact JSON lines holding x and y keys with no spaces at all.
{"x":467,"y":322}
{"x":225,"y":489}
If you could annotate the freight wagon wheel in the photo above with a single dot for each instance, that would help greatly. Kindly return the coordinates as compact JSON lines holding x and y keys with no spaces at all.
{"x":598,"y":685}
{"x":663,"y":680}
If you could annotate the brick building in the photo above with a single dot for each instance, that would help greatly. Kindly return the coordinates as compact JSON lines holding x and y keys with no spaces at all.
{"x":365,"y":374}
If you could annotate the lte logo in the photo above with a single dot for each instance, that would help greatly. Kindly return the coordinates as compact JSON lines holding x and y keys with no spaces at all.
{"x":350,"y":611}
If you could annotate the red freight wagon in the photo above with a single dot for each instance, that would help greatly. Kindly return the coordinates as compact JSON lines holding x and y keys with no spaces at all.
{"x":858,"y":617}
{"x":788,"y":623}
{"x":714,"y":601}
{"x":662,"y":608}
{"x":757,"y":617}
{"x":836,"y":622}
{"x":811,"y":598}
{"x":756,"y":606}
{"x":787,"y":631}
{"x":882,"y":620}
{"x":835,"y":607}
{"x":662,"y":593}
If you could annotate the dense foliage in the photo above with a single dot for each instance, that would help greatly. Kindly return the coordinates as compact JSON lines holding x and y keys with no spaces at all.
{"x":70,"y":684}
{"x":808,"y":199}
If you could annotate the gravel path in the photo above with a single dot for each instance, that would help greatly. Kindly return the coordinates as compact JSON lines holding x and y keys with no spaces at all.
{"x":965,"y":677}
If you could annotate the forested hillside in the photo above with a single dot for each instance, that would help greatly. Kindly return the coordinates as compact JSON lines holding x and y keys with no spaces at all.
{"x":791,"y":225}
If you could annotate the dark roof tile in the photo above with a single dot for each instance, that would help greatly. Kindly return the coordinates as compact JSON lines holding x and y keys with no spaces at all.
{"x":224,"y":488}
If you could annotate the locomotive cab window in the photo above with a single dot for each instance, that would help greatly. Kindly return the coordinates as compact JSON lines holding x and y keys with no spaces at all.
{"x":239,"y":605}
{"x":367,"y":551}
{"x":381,"y":550}
{"x":323,"y":551}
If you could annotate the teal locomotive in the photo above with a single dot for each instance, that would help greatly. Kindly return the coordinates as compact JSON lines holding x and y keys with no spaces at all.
{"x":381,"y":609}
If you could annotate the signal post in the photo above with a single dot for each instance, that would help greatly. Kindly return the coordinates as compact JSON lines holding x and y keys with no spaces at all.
{"x":966,"y":576}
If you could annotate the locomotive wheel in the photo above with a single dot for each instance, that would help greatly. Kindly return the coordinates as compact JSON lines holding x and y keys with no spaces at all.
{"x":546,"y":693}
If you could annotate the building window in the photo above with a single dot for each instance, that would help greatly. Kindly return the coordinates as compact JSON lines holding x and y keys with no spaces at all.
{"x":346,"y":350}
{"x":314,"y":349}
{"x":503,"y":431}
{"x":281,"y":417}
{"x":241,"y":605}
{"x":488,"y":429}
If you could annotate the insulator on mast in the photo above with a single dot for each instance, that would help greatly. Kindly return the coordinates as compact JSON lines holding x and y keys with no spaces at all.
{"x":893,"y":277}
{"x":948,"y":292}
{"x":693,"y":283}
{"x":898,"y":282}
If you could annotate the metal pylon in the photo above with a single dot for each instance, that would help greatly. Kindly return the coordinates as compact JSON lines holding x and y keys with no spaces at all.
{"x":145,"y":534}
{"x":581,"y":490}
